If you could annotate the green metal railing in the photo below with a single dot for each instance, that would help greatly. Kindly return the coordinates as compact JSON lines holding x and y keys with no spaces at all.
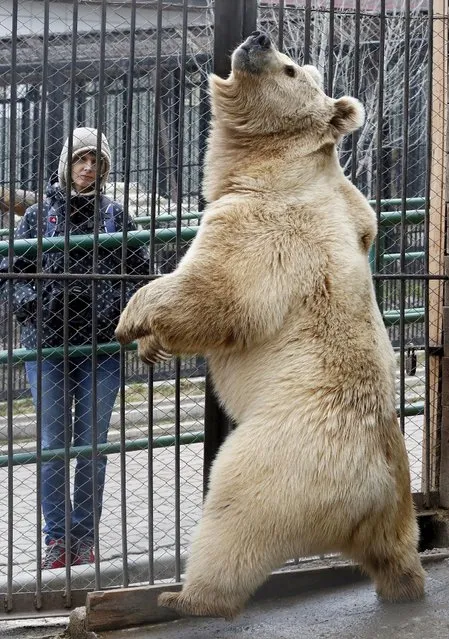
{"x":164,"y":441}
{"x":106,"y":240}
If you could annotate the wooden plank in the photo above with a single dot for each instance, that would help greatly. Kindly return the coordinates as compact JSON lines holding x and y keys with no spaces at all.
{"x":437,"y":226}
{"x":125,"y":607}
{"x":446,"y":329}
{"x":444,"y":457}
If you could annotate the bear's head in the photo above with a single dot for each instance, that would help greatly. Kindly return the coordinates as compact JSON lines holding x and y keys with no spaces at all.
{"x":268,"y":93}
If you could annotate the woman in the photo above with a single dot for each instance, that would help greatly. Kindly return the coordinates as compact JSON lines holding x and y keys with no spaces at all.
{"x":77,"y":209}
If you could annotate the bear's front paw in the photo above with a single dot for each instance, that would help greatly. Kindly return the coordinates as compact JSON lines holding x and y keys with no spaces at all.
{"x":150,"y":351}
{"x":201,"y":605}
{"x":128,"y":328}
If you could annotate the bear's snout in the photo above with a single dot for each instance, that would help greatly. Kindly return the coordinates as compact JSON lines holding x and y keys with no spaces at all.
{"x":257,"y":40}
{"x":250,"y":55}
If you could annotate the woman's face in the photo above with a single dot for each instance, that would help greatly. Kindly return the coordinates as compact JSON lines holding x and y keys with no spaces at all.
{"x":84,"y":171}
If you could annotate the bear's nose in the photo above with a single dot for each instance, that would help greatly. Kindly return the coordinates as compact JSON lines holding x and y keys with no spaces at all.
{"x":261,"y":39}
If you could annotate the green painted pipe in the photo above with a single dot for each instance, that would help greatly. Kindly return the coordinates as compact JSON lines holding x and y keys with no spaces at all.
{"x":411,"y":201}
{"x":393,"y":318}
{"x":412,"y":409}
{"x":388,"y":258}
{"x":30,"y":355}
{"x":106,"y":240}
{"x":21,"y":459}
{"x":390,"y":218}
{"x":146,"y":219}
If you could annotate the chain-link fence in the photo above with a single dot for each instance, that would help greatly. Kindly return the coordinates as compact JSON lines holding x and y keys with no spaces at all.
{"x":137,"y":71}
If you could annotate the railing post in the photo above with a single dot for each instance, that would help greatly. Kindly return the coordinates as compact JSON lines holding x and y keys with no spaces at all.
{"x":444,"y":432}
{"x":436,"y":238}
{"x":234,"y":20}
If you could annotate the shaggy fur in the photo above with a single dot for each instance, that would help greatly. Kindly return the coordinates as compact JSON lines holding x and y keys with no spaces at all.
{"x":276,"y":290}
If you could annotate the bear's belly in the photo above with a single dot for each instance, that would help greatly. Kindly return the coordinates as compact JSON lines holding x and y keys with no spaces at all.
{"x":270,"y":377}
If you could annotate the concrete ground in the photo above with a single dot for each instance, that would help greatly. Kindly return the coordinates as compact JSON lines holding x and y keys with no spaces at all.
{"x":347,"y":612}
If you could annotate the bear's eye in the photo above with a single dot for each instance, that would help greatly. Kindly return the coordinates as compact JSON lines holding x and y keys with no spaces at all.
{"x":290,"y":71}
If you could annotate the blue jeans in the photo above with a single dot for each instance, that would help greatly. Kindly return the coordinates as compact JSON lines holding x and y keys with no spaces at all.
{"x":52,"y":403}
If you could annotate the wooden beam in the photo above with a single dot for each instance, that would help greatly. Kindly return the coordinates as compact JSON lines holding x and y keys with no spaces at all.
{"x":125,"y":607}
{"x":437,"y":231}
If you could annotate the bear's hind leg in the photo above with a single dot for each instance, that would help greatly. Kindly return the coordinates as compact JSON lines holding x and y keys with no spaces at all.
{"x":387,"y":552}
{"x":239,"y":540}
{"x":229,"y":559}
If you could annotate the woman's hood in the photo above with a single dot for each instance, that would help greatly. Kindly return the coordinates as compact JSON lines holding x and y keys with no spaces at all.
{"x":84,"y":140}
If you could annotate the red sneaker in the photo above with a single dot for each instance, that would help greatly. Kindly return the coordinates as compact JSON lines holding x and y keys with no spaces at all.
{"x":82,"y":553}
{"x":55,"y":555}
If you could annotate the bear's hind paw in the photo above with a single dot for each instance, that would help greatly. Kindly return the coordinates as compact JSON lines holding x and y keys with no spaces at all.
{"x":168,"y":600}
{"x":198,"y":607}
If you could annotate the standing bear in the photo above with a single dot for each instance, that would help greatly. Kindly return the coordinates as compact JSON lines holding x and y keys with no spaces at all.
{"x":276,"y":291}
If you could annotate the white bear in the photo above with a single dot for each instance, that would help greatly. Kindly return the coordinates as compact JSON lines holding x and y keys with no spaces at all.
{"x":276,"y":291}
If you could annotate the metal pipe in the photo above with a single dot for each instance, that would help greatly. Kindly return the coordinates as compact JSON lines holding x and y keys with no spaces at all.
{"x":109,"y":448}
{"x":106,"y":240}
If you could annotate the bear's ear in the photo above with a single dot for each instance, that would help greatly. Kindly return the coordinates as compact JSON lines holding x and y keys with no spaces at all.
{"x":348,"y":115}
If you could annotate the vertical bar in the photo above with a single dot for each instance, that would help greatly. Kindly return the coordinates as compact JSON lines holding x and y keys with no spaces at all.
{"x":55,"y":128}
{"x":127,"y":169}
{"x":281,"y":25}
{"x":379,"y":153}
{"x":228,"y":33}
{"x":249,"y":17}
{"x":35,"y":135}
{"x":330,"y":74}
{"x":429,"y":123}
{"x":154,"y":184}
{"x":307,"y":27}
{"x":81,"y":97}
{"x":355,"y":135}
{"x":25,"y":142}
{"x":125,"y":100}
{"x":39,"y":284}
{"x":67,"y":363}
{"x":95,"y":263}
{"x":203,"y":127}
{"x":179,"y":172}
{"x":403,"y":238}
{"x":12,"y":187}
